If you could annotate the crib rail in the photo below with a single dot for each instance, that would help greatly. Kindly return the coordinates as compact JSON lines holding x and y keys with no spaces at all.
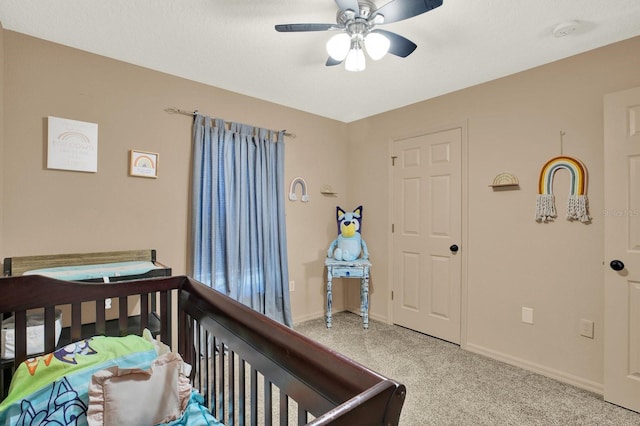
{"x":249,"y":368}
{"x":253,"y":370}
{"x":24,"y":294}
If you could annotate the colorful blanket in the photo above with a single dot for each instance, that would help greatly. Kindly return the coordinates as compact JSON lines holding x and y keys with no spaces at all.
{"x":52,"y":389}
{"x":196,"y":414}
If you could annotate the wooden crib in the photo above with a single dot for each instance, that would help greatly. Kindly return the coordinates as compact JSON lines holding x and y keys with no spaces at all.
{"x":248,"y":368}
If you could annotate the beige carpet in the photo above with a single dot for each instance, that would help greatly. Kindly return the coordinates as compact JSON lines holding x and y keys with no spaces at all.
{"x":449,"y":386}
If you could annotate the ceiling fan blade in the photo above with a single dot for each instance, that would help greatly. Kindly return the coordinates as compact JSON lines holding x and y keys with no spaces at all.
{"x":400,"y":46}
{"x":293,"y":28}
{"x":397,"y":10}
{"x":349,"y":5}
{"x":331,"y":62}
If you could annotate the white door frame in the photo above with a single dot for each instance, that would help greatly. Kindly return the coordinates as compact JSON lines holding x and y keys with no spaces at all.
{"x":464,"y":179}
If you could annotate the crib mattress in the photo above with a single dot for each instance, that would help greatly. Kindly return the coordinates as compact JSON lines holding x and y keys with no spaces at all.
{"x":105,"y":270}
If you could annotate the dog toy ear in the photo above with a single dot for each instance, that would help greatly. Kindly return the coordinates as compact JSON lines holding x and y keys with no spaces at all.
{"x":339,"y":217}
{"x":358,"y":212}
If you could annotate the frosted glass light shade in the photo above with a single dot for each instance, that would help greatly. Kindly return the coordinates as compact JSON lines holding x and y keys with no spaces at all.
{"x":355,"y":60}
{"x":377,"y":45}
{"x":338,"y":46}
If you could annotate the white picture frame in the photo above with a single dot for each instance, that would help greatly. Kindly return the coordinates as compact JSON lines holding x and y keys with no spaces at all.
{"x":72,"y":145}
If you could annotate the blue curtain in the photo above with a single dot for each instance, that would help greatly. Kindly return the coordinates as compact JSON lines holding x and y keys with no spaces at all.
{"x":238,"y":220}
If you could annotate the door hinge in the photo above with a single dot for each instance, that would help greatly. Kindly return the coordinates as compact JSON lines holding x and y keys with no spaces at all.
{"x":393,"y":160}
{"x":391,"y":294}
{"x":393,"y":228}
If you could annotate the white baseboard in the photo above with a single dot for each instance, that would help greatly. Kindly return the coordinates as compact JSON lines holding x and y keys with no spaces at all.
{"x":307,"y":317}
{"x":321,"y":314}
{"x":372,"y":316}
{"x":380,"y":318}
{"x":536,"y":368}
{"x":499,"y":356}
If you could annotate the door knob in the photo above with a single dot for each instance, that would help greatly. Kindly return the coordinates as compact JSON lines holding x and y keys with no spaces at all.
{"x":616,"y":265}
{"x":454,"y":248}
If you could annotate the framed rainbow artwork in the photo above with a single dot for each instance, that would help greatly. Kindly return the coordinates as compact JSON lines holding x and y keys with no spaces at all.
{"x":72,"y":145}
{"x":577,"y":204}
{"x":143,"y":164}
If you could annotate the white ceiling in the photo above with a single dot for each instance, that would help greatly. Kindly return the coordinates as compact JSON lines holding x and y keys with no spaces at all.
{"x":232,"y":44}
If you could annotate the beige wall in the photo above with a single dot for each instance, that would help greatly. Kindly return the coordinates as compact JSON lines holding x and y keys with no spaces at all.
{"x":513,"y":124}
{"x":512,"y":261}
{"x":49,"y":211}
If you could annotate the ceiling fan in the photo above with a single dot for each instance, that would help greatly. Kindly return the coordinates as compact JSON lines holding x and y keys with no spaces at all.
{"x":357,"y":19}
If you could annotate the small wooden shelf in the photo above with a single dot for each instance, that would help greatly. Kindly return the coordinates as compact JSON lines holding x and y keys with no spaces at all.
{"x":505,"y":179}
{"x":502,"y":185}
{"x":328,"y":191}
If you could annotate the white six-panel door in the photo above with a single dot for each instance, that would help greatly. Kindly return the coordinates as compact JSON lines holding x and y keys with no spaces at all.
{"x":622,"y":244}
{"x":426,"y":218}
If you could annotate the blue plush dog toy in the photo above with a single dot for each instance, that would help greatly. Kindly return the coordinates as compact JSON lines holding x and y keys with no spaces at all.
{"x":349,"y":244}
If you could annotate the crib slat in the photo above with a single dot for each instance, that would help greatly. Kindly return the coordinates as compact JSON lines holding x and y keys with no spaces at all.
{"x":212,"y":379}
{"x":211,"y":371}
{"x":123,"y":315}
{"x":208,"y":354}
{"x":101,"y":327}
{"x":49,"y":329}
{"x":242,"y":393}
{"x":144,"y":312}
{"x":4,"y":383}
{"x":199,"y":361}
{"x":254,"y":397}
{"x":231,"y":373}
{"x":165,"y":317}
{"x":302,"y":417}
{"x":284,"y":408}
{"x":268,"y":403}
{"x":221,"y":389}
{"x":154,"y":296}
{"x":21,"y":335}
{"x":76,"y":321}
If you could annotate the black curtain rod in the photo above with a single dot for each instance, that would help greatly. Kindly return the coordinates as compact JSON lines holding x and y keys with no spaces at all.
{"x":174,"y":110}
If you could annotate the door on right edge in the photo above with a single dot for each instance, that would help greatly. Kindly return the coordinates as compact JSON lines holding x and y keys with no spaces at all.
{"x":622,"y":249}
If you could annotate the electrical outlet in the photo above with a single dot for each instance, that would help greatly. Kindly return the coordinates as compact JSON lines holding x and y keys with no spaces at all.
{"x":527,"y":315}
{"x":586,"y":328}
{"x":292,"y":286}
{"x":107,"y":303}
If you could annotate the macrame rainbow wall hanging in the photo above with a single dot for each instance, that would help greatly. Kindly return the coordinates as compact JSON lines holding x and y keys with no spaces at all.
{"x":292,"y":189}
{"x":577,"y":204}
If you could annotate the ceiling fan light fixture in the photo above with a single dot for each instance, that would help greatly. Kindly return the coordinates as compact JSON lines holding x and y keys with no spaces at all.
{"x":377,"y":45}
{"x":355,"y":59}
{"x":338,"y":46}
{"x":356,"y":20}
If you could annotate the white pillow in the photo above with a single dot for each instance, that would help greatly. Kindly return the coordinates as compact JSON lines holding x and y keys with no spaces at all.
{"x":139,"y":397}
